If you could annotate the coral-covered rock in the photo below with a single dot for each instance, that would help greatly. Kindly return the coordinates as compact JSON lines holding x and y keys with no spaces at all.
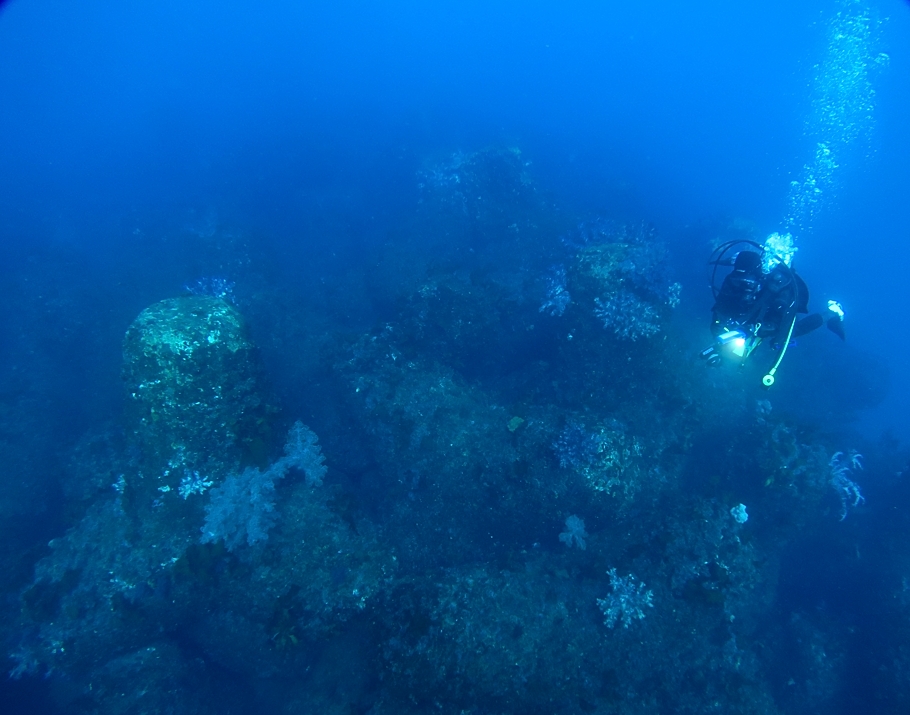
{"x":193,"y":398}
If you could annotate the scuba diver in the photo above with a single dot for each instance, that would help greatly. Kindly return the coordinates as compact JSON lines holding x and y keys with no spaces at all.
{"x":761,"y":299}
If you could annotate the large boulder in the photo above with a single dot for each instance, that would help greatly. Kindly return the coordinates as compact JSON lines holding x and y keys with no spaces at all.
{"x":194,"y":409}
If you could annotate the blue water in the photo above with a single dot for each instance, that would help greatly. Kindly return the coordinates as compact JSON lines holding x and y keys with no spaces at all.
{"x":452,"y":236}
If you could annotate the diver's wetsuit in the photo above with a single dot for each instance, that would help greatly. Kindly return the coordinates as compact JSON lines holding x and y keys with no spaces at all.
{"x":763,"y":305}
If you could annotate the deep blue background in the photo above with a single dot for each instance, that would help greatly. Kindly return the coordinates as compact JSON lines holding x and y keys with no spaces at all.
{"x":270,"y":113}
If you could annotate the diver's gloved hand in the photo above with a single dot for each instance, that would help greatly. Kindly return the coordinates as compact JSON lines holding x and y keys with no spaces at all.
{"x":711,"y":356}
{"x":836,"y":321}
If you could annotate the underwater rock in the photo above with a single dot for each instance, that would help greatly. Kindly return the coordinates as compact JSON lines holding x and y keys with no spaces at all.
{"x":193,"y":405}
{"x":621,"y":274}
{"x":506,"y":638}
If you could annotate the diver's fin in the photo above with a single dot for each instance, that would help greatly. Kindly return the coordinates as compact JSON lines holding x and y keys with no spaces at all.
{"x":836,"y":326}
{"x":808,"y":324}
